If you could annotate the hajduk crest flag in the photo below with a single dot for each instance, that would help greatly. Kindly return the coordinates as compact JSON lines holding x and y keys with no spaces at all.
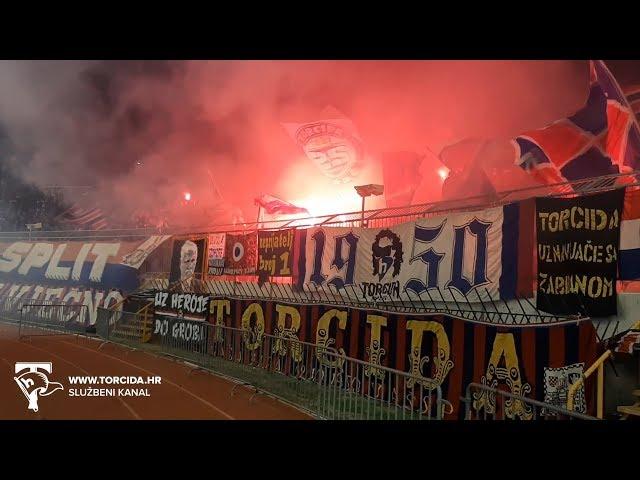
{"x":273,"y":205}
{"x":241,"y":254}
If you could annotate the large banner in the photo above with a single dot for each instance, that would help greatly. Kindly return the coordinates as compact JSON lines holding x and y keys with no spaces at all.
{"x":241,"y":254}
{"x":76,"y":263}
{"x":538,"y":363}
{"x":187,"y":260}
{"x":216,"y":254}
{"x":275,"y":253}
{"x":578,"y":240}
{"x":13,"y":295}
{"x":471,"y":256}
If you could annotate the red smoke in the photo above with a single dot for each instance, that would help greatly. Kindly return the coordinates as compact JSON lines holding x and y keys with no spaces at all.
{"x":92,"y":123}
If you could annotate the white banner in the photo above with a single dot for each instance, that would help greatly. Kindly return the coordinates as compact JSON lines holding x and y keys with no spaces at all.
{"x":455,"y":257}
{"x":440,"y":259}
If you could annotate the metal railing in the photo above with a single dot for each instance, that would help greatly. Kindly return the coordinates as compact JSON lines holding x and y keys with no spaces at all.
{"x":314,"y":377}
{"x":45,"y":318}
{"x":379,"y":218}
{"x":44,"y":314}
{"x":10,"y":306}
{"x":483,"y":402}
{"x":518,"y":312}
{"x":471,"y":307}
{"x":598,"y":366}
{"x":121,"y":327}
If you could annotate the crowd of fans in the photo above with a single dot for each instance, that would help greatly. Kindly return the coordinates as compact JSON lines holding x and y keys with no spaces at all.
{"x":22,"y":204}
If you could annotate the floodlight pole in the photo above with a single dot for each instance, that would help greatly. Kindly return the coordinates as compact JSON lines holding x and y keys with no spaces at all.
{"x":365,"y":191}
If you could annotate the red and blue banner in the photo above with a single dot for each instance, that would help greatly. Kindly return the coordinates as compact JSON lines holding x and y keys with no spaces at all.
{"x":602,"y":138}
{"x":451,"y":352}
{"x":630,"y":236}
{"x":76,"y":263}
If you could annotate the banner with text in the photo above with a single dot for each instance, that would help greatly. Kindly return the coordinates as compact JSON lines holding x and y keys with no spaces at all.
{"x":181,"y":332}
{"x":470,"y":256}
{"x":275,"y":253}
{"x":216,"y":254}
{"x":188,"y":305}
{"x":76,"y":263}
{"x":449,"y":352}
{"x":14,"y":295}
{"x":577,"y":253}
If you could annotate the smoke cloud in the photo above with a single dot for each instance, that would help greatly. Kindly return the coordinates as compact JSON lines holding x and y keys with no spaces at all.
{"x":142,"y":133}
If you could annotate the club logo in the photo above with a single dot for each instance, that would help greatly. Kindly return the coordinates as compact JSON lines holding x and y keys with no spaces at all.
{"x":386,"y":253}
{"x":238,"y":251}
{"x":33,"y":382}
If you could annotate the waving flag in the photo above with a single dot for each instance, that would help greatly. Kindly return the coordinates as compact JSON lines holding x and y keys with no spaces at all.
{"x":83,"y":219}
{"x":273,"y":205}
{"x":633,"y":95}
{"x":602,"y":138}
{"x":368,"y":190}
{"x":628,"y":342}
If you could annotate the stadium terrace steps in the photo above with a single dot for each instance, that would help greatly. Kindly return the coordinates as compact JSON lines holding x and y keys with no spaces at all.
{"x":139,"y":330}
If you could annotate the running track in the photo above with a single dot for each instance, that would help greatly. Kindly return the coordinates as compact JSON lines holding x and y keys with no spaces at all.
{"x":184,"y":394}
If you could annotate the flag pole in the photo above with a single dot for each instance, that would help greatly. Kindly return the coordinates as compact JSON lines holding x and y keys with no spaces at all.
{"x":258,"y":219}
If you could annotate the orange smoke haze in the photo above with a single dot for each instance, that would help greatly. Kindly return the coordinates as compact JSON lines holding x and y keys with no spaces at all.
{"x":144,"y":133}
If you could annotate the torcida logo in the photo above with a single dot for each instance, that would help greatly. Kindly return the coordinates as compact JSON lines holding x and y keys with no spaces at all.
{"x":386,"y":253}
{"x":33,"y":382}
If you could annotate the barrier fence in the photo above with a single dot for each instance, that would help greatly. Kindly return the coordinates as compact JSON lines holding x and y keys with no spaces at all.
{"x":518,"y":312}
{"x":44,"y":314}
{"x":10,"y":307}
{"x":313,"y":377}
{"x":47,"y":318}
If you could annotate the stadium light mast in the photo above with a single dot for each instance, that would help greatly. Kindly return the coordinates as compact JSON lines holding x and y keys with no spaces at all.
{"x":366,"y":191}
